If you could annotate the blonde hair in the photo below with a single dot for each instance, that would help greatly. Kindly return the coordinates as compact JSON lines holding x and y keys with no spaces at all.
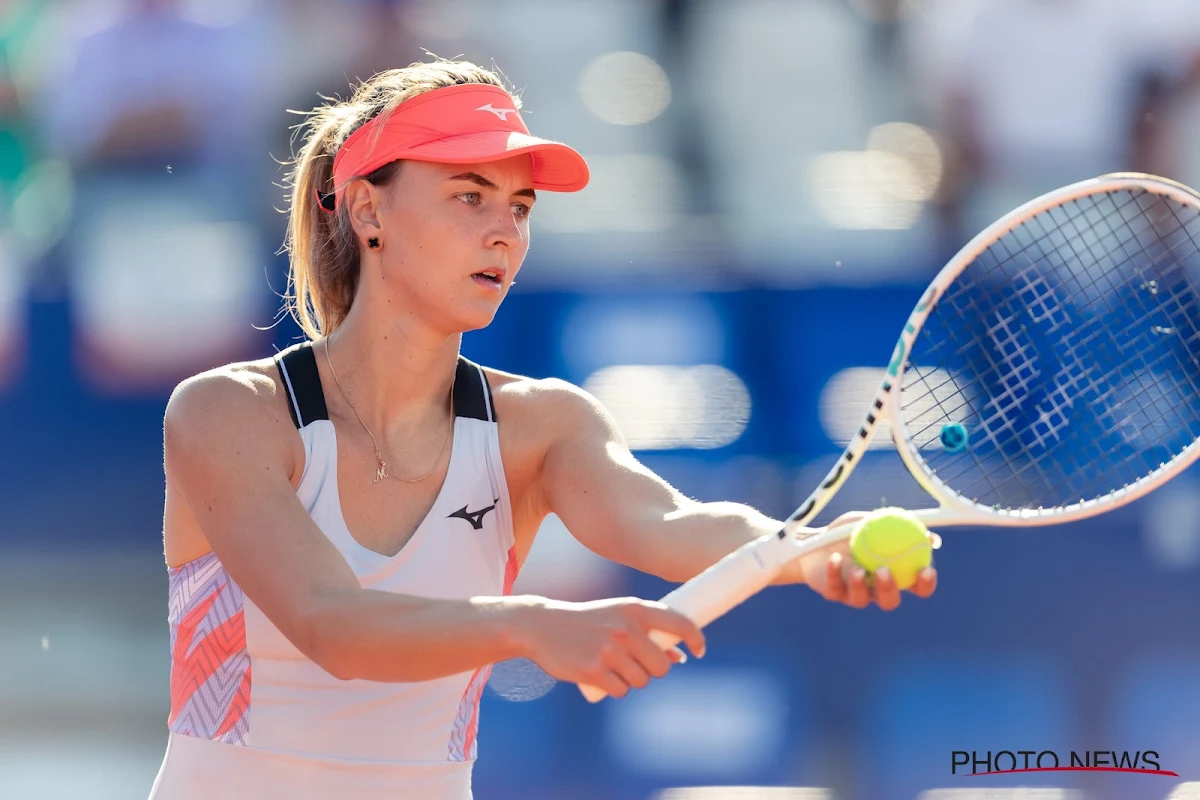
{"x":323,"y":250}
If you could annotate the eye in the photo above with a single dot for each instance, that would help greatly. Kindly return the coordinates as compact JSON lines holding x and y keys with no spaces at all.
{"x":521,"y":210}
{"x":470,"y":198}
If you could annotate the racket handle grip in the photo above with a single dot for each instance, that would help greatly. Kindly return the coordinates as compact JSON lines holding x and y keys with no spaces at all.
{"x":723,"y":586}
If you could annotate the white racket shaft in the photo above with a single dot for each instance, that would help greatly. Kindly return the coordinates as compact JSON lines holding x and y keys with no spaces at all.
{"x":733,"y":580}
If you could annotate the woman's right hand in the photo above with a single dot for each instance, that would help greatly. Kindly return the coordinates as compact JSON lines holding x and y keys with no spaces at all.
{"x":605,"y":643}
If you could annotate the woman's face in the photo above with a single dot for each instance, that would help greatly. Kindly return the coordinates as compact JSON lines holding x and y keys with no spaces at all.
{"x":453,"y":238}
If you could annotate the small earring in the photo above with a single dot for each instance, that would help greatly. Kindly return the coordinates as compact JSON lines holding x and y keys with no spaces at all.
{"x":373,"y":243}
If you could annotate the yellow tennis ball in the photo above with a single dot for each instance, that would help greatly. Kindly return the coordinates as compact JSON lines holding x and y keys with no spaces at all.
{"x":892,"y":538}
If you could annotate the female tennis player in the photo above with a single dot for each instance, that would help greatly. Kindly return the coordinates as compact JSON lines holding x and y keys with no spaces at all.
{"x":344,"y":521}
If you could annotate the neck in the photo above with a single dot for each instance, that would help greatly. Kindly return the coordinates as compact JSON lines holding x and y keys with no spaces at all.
{"x":396,"y":372}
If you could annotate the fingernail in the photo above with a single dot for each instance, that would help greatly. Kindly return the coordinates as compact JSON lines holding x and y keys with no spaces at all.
{"x":859,"y":574}
{"x":927,"y":573}
{"x":883,"y":573}
{"x":682,"y":656}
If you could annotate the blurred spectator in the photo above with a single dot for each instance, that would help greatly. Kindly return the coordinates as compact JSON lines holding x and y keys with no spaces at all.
{"x":385,"y":39}
{"x":357,"y":39}
{"x":1034,"y":94}
{"x":17,"y":142}
{"x":20,"y":240}
{"x":1160,"y":127}
{"x":677,"y":20}
{"x":20,"y":148}
{"x":153,"y":87}
{"x":335,"y":46}
{"x":161,"y":110}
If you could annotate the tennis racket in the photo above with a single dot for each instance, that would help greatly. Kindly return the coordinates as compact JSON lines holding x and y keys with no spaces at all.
{"x":1050,"y":373}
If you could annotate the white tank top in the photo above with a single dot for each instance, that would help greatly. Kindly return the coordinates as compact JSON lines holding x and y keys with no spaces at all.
{"x":252,"y":717}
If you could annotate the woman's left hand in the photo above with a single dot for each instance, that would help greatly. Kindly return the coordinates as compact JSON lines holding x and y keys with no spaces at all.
{"x":833,"y":574}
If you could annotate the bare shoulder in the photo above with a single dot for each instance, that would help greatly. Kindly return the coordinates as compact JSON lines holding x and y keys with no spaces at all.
{"x":538,"y":416}
{"x":244,"y":400}
{"x":236,"y":389}
{"x":549,"y":406}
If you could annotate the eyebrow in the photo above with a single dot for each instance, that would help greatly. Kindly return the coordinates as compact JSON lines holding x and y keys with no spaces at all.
{"x":479,"y":180}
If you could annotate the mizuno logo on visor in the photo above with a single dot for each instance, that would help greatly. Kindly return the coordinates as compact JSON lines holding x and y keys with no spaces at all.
{"x":499,"y":112}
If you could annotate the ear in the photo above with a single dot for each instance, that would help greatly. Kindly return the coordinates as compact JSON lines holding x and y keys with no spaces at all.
{"x":363,"y":200}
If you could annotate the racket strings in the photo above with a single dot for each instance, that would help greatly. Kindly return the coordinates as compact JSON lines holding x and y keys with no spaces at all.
{"x":1136,"y":399}
{"x":1137,"y":322}
{"x":1190,"y":241}
{"x":1014,"y":382}
{"x":1069,"y":351}
{"x":1173,"y":259}
{"x":994,"y":365}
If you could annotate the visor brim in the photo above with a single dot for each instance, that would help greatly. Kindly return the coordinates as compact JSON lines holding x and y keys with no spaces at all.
{"x":556,"y":167}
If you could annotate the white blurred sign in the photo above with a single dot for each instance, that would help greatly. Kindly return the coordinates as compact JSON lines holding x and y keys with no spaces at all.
{"x":708,"y":723}
{"x":158,"y":289}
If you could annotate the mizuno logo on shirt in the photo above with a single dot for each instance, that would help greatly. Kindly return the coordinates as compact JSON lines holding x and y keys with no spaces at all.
{"x":473,"y":517}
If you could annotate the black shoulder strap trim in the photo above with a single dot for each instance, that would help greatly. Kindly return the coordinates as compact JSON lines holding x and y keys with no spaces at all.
{"x":472,"y":393}
{"x":302,"y":381}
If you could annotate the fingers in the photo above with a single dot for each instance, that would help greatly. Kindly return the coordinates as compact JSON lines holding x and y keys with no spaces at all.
{"x":611,"y":683}
{"x":835,"y":585}
{"x":847,"y":582}
{"x":858,"y":591}
{"x":628,"y":670}
{"x":887,"y":594}
{"x":657,"y":617}
{"x":641,"y":659}
{"x":650,"y":656}
{"x":926,"y":582}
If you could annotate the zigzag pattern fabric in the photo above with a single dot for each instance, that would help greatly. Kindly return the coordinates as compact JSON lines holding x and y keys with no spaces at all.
{"x":463,"y":742}
{"x":210,"y":666}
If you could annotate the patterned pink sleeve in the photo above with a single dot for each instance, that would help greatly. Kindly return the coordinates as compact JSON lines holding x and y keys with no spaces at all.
{"x":210,"y":666}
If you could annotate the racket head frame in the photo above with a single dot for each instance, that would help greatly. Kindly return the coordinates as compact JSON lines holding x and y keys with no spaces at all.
{"x":955,"y":510}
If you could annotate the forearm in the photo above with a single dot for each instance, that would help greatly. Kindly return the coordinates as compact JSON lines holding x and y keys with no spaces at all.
{"x":620,"y":509}
{"x":382,"y":636}
{"x":688,"y":541}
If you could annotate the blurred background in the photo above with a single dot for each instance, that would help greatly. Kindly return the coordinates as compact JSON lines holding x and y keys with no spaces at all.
{"x":774,"y":184}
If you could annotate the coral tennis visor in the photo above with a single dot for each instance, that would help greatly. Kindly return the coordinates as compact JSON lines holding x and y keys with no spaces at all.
{"x":466,"y":124}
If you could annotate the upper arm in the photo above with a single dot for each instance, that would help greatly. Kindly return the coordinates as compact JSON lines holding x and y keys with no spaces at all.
{"x":593,"y":482}
{"x":227,"y":452}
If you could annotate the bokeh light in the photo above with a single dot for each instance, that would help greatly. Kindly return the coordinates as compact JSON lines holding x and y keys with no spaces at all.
{"x":625,"y":88}
{"x":662,"y":408}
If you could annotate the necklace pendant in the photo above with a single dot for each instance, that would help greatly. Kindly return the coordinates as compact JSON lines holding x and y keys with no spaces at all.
{"x":380,"y":473}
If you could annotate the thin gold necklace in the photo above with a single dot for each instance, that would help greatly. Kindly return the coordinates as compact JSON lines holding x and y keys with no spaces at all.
{"x":382,"y":471}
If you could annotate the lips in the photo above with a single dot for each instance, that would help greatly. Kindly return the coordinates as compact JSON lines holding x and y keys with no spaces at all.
{"x":493,"y":276}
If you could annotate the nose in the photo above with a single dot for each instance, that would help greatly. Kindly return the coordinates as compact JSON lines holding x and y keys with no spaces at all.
{"x":506,"y":231}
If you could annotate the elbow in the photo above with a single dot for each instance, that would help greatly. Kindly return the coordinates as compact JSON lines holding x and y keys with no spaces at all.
{"x":335,"y":663}
{"x":322,"y":638}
